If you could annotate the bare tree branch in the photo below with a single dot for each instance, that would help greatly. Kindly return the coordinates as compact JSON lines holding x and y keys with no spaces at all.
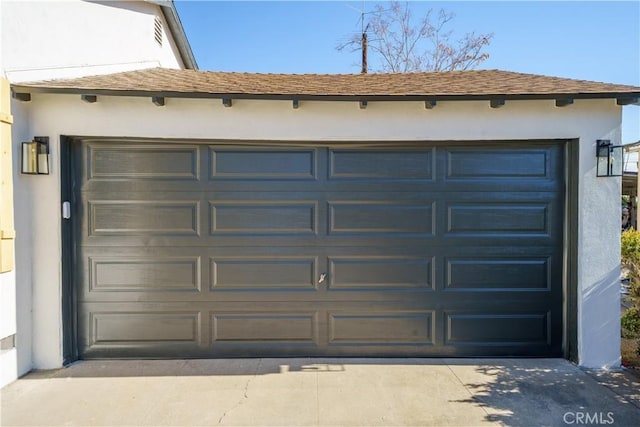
{"x":402,"y":45}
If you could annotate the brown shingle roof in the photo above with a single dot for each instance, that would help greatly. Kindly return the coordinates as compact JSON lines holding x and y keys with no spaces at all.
{"x":453,"y":84}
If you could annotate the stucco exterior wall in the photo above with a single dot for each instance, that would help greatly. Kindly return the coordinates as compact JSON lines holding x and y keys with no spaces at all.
{"x":73,"y":38}
{"x":23,"y":252}
{"x":8,"y":358}
{"x":38,"y":213}
{"x":41,"y":40}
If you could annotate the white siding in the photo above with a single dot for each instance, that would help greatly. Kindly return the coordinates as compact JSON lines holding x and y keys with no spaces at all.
{"x":72,"y":38}
{"x":38,"y":204}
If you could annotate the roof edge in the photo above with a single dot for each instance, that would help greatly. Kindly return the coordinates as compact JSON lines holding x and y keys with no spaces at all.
{"x":170,"y":13}
{"x":25,"y":88}
{"x":632,"y":146}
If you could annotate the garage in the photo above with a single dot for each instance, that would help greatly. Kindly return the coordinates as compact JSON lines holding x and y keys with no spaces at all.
{"x":216,"y":214}
{"x":198,"y":248}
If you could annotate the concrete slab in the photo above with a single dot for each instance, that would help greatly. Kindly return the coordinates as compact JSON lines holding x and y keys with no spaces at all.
{"x":526,"y":392}
{"x":406,"y":394}
{"x":322,"y":392}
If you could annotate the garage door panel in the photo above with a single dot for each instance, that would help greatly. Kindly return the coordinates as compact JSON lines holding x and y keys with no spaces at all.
{"x":255,"y":218}
{"x":262,"y":164}
{"x":195,"y":273}
{"x":126,"y":329}
{"x":108,"y":271}
{"x":380,"y":165}
{"x":155,"y":218}
{"x":263,"y":274}
{"x":501,"y":219}
{"x":139,"y":327}
{"x":494,"y":219}
{"x":148,"y":162}
{"x":513,"y":329}
{"x":185,"y":167}
{"x":444,"y":249}
{"x":145,"y":274}
{"x":380,"y":272}
{"x":498,"y":274}
{"x":381,"y":328}
{"x":264,"y":327}
{"x":476,"y":163}
{"x":367,"y":217}
{"x":526,"y":168}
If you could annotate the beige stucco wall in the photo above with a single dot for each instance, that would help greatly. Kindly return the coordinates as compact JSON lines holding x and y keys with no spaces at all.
{"x":38,"y":215}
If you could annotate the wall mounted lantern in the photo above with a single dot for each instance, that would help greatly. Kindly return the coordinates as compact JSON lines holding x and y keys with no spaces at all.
{"x":609,"y":158}
{"x":35,"y":156}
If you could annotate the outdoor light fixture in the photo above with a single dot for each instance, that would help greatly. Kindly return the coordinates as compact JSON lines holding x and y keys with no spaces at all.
{"x":35,"y":156}
{"x":609,"y":158}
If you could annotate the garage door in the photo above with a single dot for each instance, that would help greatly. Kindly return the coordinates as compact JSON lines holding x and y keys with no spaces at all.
{"x":186,"y":249}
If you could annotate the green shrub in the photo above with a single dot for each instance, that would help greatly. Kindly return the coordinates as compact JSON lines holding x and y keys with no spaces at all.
{"x":630,"y":323}
{"x":630,"y":258}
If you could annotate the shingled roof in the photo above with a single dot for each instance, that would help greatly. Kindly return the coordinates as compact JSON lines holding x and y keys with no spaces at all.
{"x":476,"y":84}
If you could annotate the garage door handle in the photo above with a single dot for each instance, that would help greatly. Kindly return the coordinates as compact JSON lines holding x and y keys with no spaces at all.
{"x":322,"y":277}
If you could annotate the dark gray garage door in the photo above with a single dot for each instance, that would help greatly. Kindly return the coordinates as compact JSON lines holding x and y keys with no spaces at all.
{"x":194,"y":250}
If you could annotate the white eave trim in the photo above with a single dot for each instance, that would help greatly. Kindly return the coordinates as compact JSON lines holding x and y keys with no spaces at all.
{"x":177,"y":31}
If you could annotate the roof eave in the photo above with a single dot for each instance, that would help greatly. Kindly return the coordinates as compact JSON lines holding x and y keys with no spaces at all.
{"x":632,"y":146}
{"x":170,"y":13}
{"x":628,"y":97}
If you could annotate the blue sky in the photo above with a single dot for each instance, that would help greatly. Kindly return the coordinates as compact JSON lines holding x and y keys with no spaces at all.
{"x":590,"y":40}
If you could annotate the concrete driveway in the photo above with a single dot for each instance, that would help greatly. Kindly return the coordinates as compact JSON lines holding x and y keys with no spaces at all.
{"x":327,"y":392}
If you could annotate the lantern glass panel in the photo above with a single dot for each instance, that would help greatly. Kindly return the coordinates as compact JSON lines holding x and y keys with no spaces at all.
{"x":30,"y":157}
{"x":615,"y":161}
{"x":603,"y":160}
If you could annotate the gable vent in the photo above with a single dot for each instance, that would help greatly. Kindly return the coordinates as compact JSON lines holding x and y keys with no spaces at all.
{"x":157,"y":30}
